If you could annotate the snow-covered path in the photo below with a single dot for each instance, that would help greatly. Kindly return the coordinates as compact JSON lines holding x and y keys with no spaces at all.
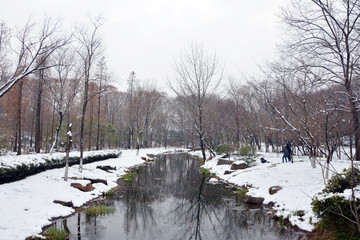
{"x":300,"y":182}
{"x":27,"y":205}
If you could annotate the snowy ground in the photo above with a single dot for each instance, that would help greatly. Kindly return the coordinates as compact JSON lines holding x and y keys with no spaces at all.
{"x":27,"y":205}
{"x":300,"y":182}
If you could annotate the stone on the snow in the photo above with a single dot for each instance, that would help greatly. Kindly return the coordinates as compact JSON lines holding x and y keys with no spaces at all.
{"x":223,"y":161}
{"x":86,"y":188}
{"x":66,"y":204}
{"x":274,"y":189}
{"x":96,"y":180}
{"x":254,"y":200}
{"x":238,"y":165}
{"x":106,"y":168}
{"x":228,"y":172}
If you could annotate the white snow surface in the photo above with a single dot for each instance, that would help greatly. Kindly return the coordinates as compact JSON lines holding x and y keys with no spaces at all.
{"x":27,"y":205}
{"x":300,"y":183}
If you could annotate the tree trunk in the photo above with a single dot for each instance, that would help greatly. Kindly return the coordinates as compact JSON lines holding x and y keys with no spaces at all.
{"x":138,"y":144}
{"x":38,"y":135}
{"x":52,"y":129}
{"x":98,"y":123}
{"x":68,"y":148}
{"x":357,"y":134}
{"x":90,"y":125}
{"x":82,"y":124}
{"x":202,"y":147}
{"x":19,"y":117}
{"x":61,"y":117}
{"x":351,"y":147}
{"x":355,"y":118}
{"x":32,"y":131}
{"x":15,"y":137}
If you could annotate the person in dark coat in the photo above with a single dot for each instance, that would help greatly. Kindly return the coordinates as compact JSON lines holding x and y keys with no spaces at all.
{"x":288,"y":146}
{"x":287,"y":151}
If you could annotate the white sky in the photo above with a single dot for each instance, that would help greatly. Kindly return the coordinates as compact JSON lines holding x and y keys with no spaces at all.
{"x":146,"y":36}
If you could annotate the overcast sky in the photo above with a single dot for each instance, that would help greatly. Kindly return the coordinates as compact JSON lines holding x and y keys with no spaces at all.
{"x":146,"y":36}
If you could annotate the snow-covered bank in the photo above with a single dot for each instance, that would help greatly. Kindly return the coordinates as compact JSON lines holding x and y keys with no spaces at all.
{"x":15,"y":160}
{"x":300,"y":182}
{"x":27,"y":205}
{"x":14,"y":168}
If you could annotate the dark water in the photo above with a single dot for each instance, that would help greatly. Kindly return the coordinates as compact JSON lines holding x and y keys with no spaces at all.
{"x":170,"y":200}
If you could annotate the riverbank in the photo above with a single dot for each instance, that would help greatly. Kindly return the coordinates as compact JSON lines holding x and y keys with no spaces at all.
{"x":299,"y":183}
{"x":170,"y":199}
{"x":28,"y":205}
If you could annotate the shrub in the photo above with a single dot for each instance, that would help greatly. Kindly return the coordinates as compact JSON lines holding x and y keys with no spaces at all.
{"x":110,"y":193}
{"x":340,"y":182}
{"x":205,"y":172}
{"x":224,"y":148}
{"x":329,"y":207}
{"x":99,"y":210}
{"x":247,"y":151}
{"x":129,"y":177}
{"x":56,"y":234}
{"x":241,"y":192}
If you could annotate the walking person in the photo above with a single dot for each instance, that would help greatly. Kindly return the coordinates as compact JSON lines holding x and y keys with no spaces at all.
{"x":288,"y":147}
{"x":286,"y":150}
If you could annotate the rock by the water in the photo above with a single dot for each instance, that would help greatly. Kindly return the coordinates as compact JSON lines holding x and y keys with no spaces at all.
{"x":270,"y":213}
{"x":147,"y":159}
{"x":213,"y":180}
{"x":96,"y":180}
{"x":89,"y":187}
{"x":66,"y":204}
{"x":239,"y":165}
{"x":254,"y":200}
{"x":274,"y":189}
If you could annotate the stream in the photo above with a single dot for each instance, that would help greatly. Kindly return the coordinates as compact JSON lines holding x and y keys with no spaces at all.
{"x":169,"y":199}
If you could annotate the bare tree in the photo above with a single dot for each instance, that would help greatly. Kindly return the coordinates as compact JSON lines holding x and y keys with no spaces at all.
{"x":197,"y":77}
{"x":102,"y":79}
{"x":89,"y":50}
{"x":146,"y":102}
{"x":131,"y":89}
{"x":35,"y":46}
{"x":39,"y":95}
{"x":63,"y":86}
{"x":326,"y":33}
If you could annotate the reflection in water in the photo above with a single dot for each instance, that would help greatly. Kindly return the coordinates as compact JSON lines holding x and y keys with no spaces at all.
{"x":169,"y":199}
